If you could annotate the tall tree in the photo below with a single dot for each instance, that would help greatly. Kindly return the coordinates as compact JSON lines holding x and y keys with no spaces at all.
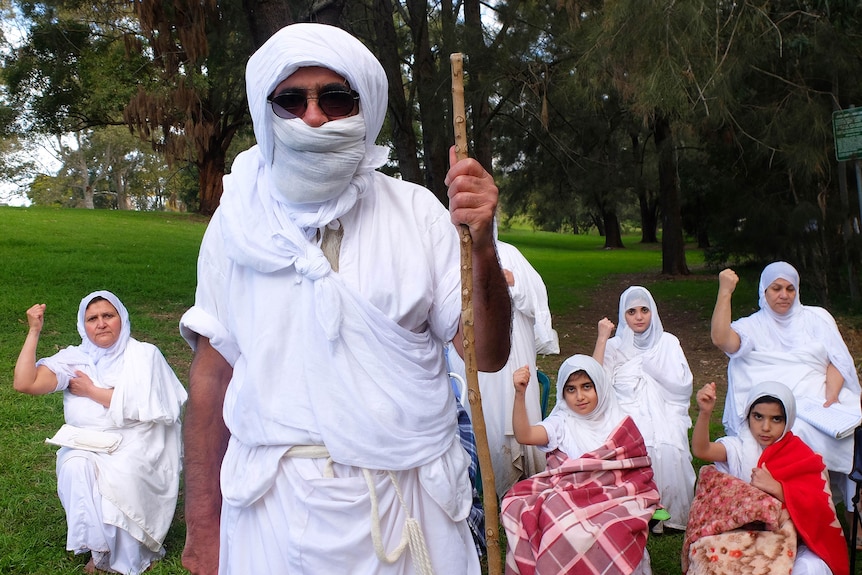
{"x":194,"y":103}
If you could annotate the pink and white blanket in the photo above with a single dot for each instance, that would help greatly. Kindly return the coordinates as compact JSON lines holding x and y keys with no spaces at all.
{"x":587,"y":515}
{"x":735,"y":528}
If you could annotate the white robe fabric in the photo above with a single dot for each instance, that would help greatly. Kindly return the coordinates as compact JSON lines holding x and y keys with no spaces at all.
{"x":653,"y":383}
{"x":532,"y":333}
{"x":795,"y":349}
{"x":350,"y":360}
{"x":120,"y":505}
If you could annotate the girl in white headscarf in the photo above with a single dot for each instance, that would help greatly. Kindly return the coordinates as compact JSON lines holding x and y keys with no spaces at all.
{"x":770,"y":457}
{"x":586,"y":418}
{"x":796,"y":343}
{"x":585,"y":413}
{"x":118,"y":470}
{"x":653,"y":383}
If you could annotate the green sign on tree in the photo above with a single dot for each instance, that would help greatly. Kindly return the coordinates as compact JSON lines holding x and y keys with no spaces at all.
{"x":847,"y":130}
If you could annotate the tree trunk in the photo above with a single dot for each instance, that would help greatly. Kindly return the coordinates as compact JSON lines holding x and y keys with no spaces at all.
{"x":478,"y":58}
{"x":702,"y":237}
{"x":673,"y":242}
{"x":613,"y":233}
{"x":648,"y":206}
{"x":433,"y":90}
{"x":649,"y":217}
{"x":266,"y":17}
{"x":599,"y":223}
{"x":210,"y":174}
{"x":386,"y":47}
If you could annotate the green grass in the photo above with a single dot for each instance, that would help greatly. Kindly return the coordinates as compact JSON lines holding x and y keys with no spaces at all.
{"x":56,"y":257}
{"x":148,"y":259}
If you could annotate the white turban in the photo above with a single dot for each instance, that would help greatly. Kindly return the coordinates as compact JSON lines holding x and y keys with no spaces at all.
{"x":302,"y":45}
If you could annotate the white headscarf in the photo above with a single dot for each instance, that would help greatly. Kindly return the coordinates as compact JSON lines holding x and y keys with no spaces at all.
{"x":637,"y":296}
{"x":772,"y":272}
{"x":741,"y":463}
{"x":101,"y":360}
{"x":592,"y":429}
{"x":800,"y":324}
{"x":303,"y":45}
{"x":261,"y":229}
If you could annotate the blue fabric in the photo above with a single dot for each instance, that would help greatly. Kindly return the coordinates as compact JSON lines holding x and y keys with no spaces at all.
{"x":476,"y":519}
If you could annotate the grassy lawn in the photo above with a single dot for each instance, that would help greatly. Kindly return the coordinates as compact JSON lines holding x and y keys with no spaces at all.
{"x":148,"y":259}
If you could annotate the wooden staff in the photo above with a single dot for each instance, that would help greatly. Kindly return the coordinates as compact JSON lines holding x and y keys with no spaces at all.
{"x":489,"y":491}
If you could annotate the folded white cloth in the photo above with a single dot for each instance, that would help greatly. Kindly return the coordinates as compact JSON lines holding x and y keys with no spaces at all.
{"x":87,"y":439}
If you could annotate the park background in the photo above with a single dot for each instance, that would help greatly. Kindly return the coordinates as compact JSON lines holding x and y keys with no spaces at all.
{"x":633,"y":141}
{"x":729,"y":123}
{"x":57,"y":256}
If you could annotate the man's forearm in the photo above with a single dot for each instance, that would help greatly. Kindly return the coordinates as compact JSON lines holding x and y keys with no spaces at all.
{"x":492,"y":310}
{"x":205,"y":438}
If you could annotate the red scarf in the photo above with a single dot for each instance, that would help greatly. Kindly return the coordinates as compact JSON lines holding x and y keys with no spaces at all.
{"x":804,"y":478}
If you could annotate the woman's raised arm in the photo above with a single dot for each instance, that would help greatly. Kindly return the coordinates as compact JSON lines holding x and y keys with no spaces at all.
{"x":28,"y":378}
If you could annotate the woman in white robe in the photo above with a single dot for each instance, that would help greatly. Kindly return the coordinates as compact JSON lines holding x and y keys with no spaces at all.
{"x":118,"y":473}
{"x":797,"y":344}
{"x":653,"y":384}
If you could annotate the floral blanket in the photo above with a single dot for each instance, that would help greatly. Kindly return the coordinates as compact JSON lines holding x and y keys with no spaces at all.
{"x":587,"y":515}
{"x":735,"y":528}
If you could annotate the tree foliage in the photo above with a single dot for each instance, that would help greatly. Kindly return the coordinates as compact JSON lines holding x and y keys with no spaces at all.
{"x":195,"y":102}
{"x":700,"y":118}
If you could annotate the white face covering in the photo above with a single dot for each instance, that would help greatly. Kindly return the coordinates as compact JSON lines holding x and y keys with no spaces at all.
{"x":313,"y":165}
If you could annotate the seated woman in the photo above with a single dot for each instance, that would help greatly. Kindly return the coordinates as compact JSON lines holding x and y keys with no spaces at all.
{"x":797,"y":344}
{"x":589,"y":510}
{"x":769,"y":456}
{"x":119,"y":499}
{"x":652,"y":381}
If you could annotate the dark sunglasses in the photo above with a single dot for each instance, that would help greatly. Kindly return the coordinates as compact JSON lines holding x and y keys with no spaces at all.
{"x":334,"y":103}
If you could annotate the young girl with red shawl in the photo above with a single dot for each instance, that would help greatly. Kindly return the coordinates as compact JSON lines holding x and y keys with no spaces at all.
{"x":769,"y":456}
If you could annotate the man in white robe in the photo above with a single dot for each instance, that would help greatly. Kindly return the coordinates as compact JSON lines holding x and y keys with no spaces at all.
{"x":325,"y":292}
{"x":532,"y":333}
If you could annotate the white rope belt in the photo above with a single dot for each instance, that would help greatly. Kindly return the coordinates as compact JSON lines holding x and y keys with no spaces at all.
{"x":412,"y":535}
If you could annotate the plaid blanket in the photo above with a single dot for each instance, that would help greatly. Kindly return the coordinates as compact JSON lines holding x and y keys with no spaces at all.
{"x":587,"y":515}
{"x":476,"y":519}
